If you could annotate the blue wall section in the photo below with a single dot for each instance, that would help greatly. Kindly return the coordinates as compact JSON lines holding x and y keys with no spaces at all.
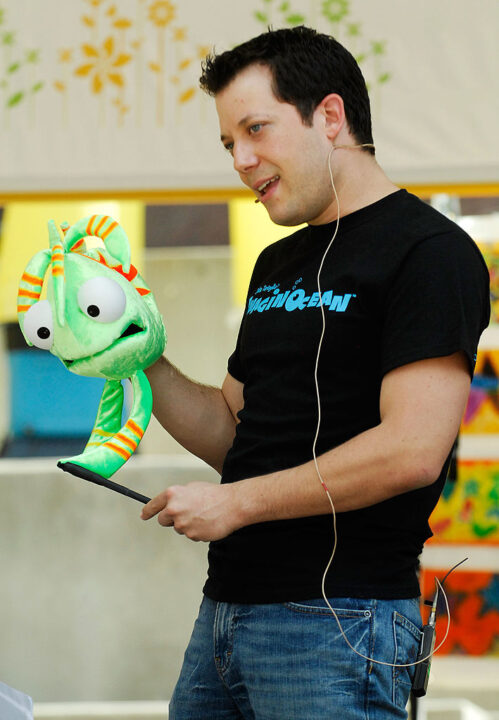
{"x":49,"y":401}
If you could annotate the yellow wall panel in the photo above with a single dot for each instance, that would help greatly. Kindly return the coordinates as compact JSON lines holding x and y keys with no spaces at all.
{"x":24,"y":233}
{"x":250,"y":231}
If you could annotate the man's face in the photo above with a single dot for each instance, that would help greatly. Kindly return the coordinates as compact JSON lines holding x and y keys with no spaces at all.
{"x":282,"y":160}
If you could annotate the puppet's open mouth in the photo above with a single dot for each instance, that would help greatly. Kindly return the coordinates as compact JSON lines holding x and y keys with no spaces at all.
{"x":132,"y":329}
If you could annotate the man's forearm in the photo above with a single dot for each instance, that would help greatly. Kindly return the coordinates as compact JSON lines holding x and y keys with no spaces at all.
{"x":364,"y":471}
{"x":196,"y":415}
{"x":421,"y":407}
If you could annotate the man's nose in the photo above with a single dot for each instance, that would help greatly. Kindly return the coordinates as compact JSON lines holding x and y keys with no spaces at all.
{"x":245,"y":158}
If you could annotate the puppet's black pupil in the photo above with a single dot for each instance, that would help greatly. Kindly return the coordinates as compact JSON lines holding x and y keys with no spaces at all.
{"x":93,"y":311}
{"x":43,"y":333}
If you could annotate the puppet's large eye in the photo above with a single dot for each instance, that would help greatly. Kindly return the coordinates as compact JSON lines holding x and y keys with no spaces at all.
{"x":102,"y":299}
{"x":38,"y":325}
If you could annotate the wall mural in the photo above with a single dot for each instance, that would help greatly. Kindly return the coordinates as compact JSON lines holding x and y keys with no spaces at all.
{"x":490,"y":252}
{"x":99,"y":93}
{"x":468,"y":509}
{"x":482,"y":411}
{"x":112,"y":54}
{"x":115,"y":51}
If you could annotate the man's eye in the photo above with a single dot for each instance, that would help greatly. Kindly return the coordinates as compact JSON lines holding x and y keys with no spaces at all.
{"x":229,"y":147}
{"x":255,"y":128}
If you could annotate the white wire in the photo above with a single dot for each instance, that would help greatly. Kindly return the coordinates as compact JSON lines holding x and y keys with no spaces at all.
{"x":314,"y":445}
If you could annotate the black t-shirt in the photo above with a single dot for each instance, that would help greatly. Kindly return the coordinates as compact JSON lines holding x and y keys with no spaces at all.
{"x":399,"y":284}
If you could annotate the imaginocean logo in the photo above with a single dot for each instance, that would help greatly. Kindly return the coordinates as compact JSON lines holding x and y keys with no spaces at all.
{"x":296,"y":299}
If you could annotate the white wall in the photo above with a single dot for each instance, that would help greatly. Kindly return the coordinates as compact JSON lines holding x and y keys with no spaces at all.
{"x":95,"y":604}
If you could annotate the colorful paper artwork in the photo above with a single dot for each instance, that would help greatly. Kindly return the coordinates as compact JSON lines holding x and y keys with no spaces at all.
{"x":468,"y":510}
{"x":490,"y":252}
{"x":474,"y":609}
{"x":482,"y":411}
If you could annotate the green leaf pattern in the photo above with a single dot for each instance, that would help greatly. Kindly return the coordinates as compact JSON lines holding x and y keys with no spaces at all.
{"x":16,"y":81}
{"x":19,"y":66}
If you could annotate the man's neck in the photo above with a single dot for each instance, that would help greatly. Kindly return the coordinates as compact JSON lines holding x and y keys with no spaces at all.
{"x":359,"y":182}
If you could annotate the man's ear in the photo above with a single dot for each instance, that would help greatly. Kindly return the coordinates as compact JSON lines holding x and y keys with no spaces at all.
{"x":332,"y":111}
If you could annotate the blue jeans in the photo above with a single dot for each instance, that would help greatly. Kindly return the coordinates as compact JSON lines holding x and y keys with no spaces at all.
{"x":289,"y":661}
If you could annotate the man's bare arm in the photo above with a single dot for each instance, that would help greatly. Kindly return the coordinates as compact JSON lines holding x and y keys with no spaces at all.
{"x":421,"y":406}
{"x":200,"y":417}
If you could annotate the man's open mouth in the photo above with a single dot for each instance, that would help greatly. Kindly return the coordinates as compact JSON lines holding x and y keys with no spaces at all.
{"x":263,"y":189}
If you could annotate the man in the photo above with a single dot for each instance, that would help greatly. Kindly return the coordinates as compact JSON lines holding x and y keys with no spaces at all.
{"x":404,"y":294}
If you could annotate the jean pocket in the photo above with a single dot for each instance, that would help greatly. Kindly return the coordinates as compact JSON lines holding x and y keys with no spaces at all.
{"x":356,"y":617}
{"x":349,"y":628}
{"x":337,"y":645}
{"x":407,"y":638}
{"x":319,"y":607}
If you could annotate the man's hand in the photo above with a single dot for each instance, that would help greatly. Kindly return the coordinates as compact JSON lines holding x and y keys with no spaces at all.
{"x":199,"y":510}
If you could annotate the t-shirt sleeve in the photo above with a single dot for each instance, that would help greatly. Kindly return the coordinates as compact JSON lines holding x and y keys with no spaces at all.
{"x":438,"y":304}
{"x":234,"y":366}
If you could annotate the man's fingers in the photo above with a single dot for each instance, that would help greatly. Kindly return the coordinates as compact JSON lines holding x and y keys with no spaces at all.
{"x":154,"y":506}
{"x":165,"y":519}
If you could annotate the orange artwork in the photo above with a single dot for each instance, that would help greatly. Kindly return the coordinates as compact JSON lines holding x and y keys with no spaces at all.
{"x":474,"y":609}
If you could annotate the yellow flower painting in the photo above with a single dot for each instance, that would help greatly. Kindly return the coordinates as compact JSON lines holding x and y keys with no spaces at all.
{"x":104,"y":66}
{"x":161,"y":13}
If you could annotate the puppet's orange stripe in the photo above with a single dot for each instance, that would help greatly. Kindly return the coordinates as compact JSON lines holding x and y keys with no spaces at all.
{"x":32,"y":279}
{"x":127,"y":441}
{"x":23,"y":308}
{"x":58,"y":257}
{"x":142,"y":291}
{"x":109,"y":230}
{"x":57,"y":271}
{"x":89,"y":226}
{"x":29,"y":294}
{"x":103,"y":220}
{"x":77,"y":245}
{"x":135,"y":428}
{"x":131,"y":275}
{"x":118,"y":450}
